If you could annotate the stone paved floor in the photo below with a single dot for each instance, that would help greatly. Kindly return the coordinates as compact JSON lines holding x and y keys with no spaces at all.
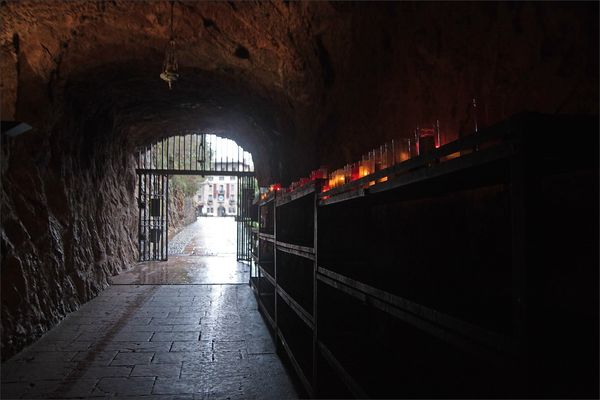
{"x":186,"y":270}
{"x":202,"y":253}
{"x":207,"y":236}
{"x":155,"y":341}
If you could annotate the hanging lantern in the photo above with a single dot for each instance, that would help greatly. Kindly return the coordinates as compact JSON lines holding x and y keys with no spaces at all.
{"x":170,"y":71}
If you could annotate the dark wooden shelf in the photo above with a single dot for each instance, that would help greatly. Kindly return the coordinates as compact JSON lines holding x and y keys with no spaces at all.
{"x":452,"y":302}
{"x":345,"y":377}
{"x":298,"y":309}
{"x":460,"y":333}
{"x":477,"y":158}
{"x":266,"y":314}
{"x":267,"y":237}
{"x":309,"y":188}
{"x":267,"y":275}
{"x":398,"y":177}
{"x":301,"y":251}
{"x":266,"y":201}
{"x":344,"y":196}
{"x":503,"y":131}
{"x":304,"y":249}
{"x":305,"y":381}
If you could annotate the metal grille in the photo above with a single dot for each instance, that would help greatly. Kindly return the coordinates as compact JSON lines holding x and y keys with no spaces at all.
{"x":153,"y":241}
{"x":246,"y":216}
{"x":194,"y":154}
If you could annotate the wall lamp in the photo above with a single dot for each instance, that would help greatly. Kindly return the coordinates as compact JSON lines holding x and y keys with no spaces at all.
{"x":14,"y":128}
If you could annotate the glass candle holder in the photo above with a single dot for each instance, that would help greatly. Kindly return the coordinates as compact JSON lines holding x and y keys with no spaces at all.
{"x":341,"y":176}
{"x":363,"y":167}
{"x":375,"y":164}
{"x":376,"y":156}
{"x":347,"y":173}
{"x":403,"y":150}
{"x":355,"y":171}
{"x":331,"y":180}
{"x":371,"y":162}
{"x":426,"y":140}
{"x":384,"y":154}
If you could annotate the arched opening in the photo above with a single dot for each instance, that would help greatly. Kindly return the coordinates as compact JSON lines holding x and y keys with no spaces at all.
{"x":194,"y":196}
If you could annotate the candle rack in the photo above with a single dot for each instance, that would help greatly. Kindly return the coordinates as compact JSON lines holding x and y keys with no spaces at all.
{"x":445,"y":270}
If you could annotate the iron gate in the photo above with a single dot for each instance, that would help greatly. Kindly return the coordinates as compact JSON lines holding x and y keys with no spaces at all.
{"x":245,"y":216}
{"x":153,"y":206}
{"x":194,"y":154}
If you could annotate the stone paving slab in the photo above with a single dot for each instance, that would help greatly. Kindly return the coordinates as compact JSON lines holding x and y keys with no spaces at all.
{"x":133,"y":359}
{"x":139,"y":342}
{"x":130,"y":386}
{"x":173,"y":336}
{"x":162,"y":370}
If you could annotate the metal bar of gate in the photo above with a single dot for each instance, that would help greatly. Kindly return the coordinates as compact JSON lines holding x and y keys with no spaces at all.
{"x":139,"y":201}
{"x":162,"y":204}
{"x":146,"y":217}
{"x":162,"y":217}
{"x":238,"y":216}
{"x":244,"y":219}
{"x":167,"y":219}
{"x":241,"y":223}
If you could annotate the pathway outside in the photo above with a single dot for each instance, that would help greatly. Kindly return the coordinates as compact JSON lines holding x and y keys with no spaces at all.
{"x":163,"y":341}
{"x":202,"y":253}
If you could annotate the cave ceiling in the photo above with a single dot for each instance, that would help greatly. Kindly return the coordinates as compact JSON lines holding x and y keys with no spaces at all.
{"x":243,"y":67}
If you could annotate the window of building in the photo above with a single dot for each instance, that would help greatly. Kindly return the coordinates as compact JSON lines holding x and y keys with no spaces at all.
{"x":220,"y":187}
{"x":231,"y":178}
{"x":221,"y":178}
{"x":231,"y":210}
{"x":210,"y":196}
{"x":210,"y":178}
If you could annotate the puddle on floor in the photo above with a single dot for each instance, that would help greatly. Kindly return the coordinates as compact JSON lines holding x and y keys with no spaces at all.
{"x":186,"y":269}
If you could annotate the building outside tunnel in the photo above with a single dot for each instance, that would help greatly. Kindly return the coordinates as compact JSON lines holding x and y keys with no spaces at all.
{"x":217,"y":197}
{"x":414,"y":187}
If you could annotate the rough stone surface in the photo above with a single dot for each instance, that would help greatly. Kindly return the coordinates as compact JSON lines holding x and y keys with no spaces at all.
{"x":232,"y":357}
{"x":67,"y":225}
{"x":298,"y":84}
{"x":181,"y":212}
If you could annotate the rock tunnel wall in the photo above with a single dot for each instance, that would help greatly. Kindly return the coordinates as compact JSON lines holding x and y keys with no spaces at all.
{"x":298,"y":84}
{"x":181,"y":211}
{"x":68,"y":220}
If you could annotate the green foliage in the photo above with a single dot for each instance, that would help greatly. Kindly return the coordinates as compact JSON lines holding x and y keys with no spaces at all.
{"x":188,"y":184}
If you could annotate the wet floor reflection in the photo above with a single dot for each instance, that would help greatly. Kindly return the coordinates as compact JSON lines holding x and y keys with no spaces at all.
{"x":206,"y":256}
